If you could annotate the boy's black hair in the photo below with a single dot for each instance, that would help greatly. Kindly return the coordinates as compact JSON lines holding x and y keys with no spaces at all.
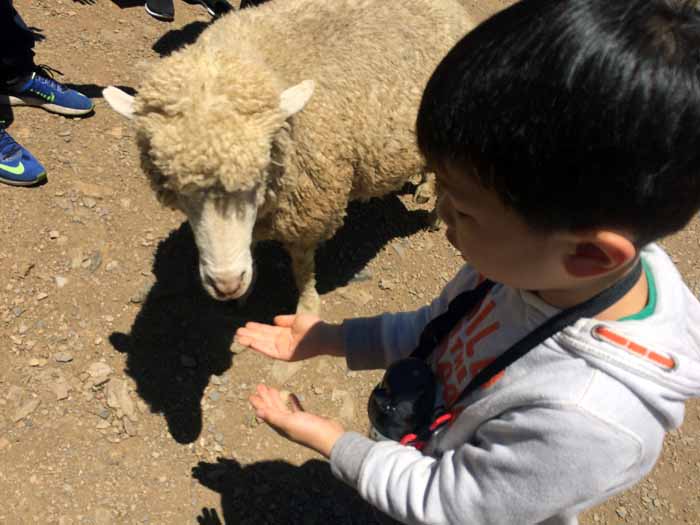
{"x":579,"y":113}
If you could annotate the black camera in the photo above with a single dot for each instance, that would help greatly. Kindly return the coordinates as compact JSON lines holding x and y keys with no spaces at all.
{"x":404,"y":402}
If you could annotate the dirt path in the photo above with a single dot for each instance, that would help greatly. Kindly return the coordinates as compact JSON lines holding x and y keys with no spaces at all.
{"x":119,"y":388}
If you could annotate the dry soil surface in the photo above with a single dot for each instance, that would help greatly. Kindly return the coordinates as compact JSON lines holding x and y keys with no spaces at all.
{"x":122,"y":397}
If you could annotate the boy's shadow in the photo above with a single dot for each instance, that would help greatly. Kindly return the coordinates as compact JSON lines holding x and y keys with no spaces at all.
{"x":181,"y":336}
{"x":277,"y":493}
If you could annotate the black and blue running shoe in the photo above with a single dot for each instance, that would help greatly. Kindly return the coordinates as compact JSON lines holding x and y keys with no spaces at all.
{"x":44,"y":92}
{"x":18,"y":167}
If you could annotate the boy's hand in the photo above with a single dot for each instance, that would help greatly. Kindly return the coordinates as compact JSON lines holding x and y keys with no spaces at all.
{"x":292,"y":338}
{"x":288,"y":418}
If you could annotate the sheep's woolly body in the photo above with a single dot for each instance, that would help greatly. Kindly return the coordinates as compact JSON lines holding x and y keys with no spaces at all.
{"x":208,"y":113}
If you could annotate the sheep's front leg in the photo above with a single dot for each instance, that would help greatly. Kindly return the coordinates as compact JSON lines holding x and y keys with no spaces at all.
{"x":303,"y":265}
{"x":426,"y":190}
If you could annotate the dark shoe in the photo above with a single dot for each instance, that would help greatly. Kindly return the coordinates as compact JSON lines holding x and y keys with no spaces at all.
{"x":216,"y":8}
{"x":161,"y":9}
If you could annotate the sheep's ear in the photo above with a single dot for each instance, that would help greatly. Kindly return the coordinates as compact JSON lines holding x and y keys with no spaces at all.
{"x":120,"y":101}
{"x":293,"y":99}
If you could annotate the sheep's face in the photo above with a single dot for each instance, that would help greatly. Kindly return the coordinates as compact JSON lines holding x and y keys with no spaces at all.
{"x":207,"y":153}
{"x":222,"y":224}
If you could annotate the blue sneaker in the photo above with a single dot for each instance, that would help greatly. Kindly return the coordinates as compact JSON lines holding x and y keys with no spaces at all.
{"x":45,"y":92}
{"x":18,"y":167}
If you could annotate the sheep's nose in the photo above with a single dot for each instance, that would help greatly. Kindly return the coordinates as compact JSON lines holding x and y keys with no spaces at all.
{"x":226,"y":284}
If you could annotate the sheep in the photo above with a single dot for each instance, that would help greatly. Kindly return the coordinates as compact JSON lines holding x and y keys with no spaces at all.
{"x":279,"y":115}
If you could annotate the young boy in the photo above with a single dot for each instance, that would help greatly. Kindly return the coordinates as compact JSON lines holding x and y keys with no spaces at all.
{"x":565,"y":136}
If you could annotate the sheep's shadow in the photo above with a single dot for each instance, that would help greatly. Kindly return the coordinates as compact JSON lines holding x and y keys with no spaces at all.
{"x":181,"y":337}
{"x":278,"y":493}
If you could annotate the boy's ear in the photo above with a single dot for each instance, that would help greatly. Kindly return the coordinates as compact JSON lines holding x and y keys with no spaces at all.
{"x":597,"y":253}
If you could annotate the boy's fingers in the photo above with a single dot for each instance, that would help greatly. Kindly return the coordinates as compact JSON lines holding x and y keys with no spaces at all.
{"x":259,"y":328}
{"x":284,"y":320}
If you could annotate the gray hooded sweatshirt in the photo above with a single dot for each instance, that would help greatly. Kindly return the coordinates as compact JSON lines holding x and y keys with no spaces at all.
{"x":579,"y":418}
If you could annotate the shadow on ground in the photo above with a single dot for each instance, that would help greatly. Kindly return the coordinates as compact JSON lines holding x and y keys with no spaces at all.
{"x":277,"y":493}
{"x":181,"y":337}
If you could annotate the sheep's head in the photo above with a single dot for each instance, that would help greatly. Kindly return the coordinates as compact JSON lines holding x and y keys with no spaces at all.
{"x":205,"y":139}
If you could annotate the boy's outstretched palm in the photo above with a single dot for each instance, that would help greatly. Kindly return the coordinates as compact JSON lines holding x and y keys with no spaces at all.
{"x":291,"y":338}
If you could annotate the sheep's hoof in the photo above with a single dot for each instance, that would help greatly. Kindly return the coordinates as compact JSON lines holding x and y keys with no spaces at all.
{"x":424,"y":192}
{"x":434,"y":221}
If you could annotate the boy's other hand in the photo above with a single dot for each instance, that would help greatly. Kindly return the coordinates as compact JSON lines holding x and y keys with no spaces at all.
{"x":286,"y":415}
{"x":292,"y":337}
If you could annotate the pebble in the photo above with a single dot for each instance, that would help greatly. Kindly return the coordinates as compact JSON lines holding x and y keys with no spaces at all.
{"x":621,"y":511}
{"x":60,"y":281}
{"x":54,"y":234}
{"x":41,"y":296}
{"x":37,"y":361}
{"x":363,"y":275}
{"x":26,"y":409}
{"x":95,"y":261}
{"x":385,"y":284}
{"x":117,"y":393}
{"x":112,"y":265}
{"x":214,"y":396}
{"x":63,"y":357}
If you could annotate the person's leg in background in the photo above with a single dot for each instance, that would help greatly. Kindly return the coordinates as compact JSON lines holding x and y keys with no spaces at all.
{"x":17,"y":165}
{"x":22,"y":82}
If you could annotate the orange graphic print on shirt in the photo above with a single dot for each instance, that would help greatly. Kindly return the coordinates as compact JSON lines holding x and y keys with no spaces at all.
{"x":459,"y":358}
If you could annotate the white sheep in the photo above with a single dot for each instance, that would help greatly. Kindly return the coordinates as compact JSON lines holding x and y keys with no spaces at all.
{"x":223,"y":137}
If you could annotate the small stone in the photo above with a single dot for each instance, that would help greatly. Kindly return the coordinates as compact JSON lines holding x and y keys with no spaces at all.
{"x":103,"y":424}
{"x":214,"y":396}
{"x":111,"y":266}
{"x":26,"y":409}
{"x":385,"y":284}
{"x":63,"y":357}
{"x":98,"y":341}
{"x":37,"y":362}
{"x":89,"y":203}
{"x":104,"y":413}
{"x":99,"y":369}
{"x":117,"y":393}
{"x":22,"y":329}
{"x":621,"y":511}
{"x":54,"y":234}
{"x":60,"y":388}
{"x":363,"y":275}
{"x":95,"y":261}
{"x":60,"y":281}
{"x":41,"y":296}
{"x":130,"y":427}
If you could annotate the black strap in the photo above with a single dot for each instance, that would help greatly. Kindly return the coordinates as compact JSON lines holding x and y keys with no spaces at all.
{"x":439,"y":327}
{"x":436,"y":330}
{"x":589,"y":308}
